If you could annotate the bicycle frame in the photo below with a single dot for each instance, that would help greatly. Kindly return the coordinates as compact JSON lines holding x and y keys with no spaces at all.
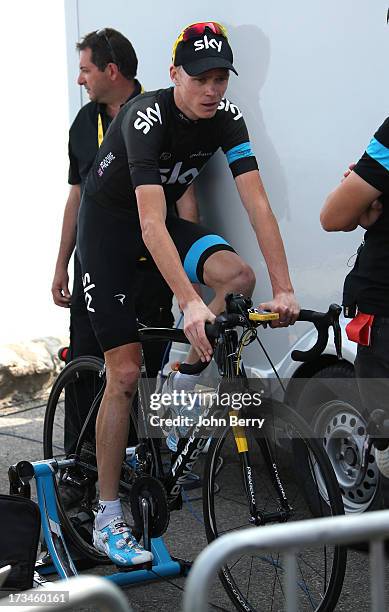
{"x":189,"y":450}
{"x":228,"y":362}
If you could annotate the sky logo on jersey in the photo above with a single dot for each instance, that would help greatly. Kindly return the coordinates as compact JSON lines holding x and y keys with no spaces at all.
{"x":228,"y":106}
{"x":147,"y":119}
{"x":207,"y":43}
{"x":87,"y":287}
{"x":184,"y":179}
{"x":108,"y":159}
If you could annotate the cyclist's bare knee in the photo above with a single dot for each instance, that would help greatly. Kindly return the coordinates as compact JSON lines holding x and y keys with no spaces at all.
{"x":226,"y":271}
{"x":123,"y":368}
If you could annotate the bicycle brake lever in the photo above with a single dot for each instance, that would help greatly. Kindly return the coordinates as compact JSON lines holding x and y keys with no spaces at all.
{"x":335,"y":311}
{"x":337,"y":339}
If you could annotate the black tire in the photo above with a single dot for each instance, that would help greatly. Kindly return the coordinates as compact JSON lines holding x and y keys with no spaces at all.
{"x":330,"y":403}
{"x":321,"y":570}
{"x":80,"y":380}
{"x":75,"y":388}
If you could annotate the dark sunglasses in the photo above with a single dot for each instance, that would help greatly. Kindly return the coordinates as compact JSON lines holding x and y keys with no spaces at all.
{"x":103,"y":34}
{"x":197,"y":29}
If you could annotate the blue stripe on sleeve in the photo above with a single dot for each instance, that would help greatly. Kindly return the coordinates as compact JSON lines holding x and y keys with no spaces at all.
{"x":241,"y":150}
{"x":379,"y":152}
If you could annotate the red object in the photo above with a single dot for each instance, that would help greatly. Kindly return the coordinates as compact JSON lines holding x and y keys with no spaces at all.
{"x":197,"y":29}
{"x":359,"y":329}
{"x":63,"y":353}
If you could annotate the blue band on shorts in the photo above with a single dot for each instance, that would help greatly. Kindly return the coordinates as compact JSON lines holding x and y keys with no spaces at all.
{"x":195,"y":252}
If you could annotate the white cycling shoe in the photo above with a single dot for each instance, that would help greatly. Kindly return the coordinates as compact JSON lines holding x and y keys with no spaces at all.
{"x":118,"y":543}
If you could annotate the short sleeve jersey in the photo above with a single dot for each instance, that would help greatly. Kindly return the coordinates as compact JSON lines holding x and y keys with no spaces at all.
{"x":367,"y":285}
{"x":83,"y":138}
{"x":151,"y":142}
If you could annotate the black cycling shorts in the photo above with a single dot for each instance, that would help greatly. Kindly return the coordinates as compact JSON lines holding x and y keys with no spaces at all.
{"x":110,"y":249}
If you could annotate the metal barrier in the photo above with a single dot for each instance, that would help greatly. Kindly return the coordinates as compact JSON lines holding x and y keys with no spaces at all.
{"x":4,"y":571}
{"x":83,"y":590}
{"x":290,"y":537}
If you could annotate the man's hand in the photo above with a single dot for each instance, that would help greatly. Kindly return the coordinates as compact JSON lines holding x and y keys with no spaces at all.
{"x":196,"y":314}
{"x":286,"y":306}
{"x":347,"y":172}
{"x":60,"y":288}
{"x":370,"y":216}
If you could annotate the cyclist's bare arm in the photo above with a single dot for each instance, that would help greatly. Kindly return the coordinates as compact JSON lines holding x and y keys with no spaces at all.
{"x":188,"y":209}
{"x":256,"y":203}
{"x":352,"y":203}
{"x":60,"y":288}
{"x":152,"y":214}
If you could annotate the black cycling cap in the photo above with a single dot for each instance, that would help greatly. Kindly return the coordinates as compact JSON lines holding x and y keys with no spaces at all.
{"x":201,"y":47}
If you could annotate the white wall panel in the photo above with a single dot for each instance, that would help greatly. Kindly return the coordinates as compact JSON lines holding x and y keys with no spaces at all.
{"x":312,"y":85}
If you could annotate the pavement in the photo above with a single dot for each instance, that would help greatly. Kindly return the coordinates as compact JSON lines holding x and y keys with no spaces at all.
{"x":21,"y":427}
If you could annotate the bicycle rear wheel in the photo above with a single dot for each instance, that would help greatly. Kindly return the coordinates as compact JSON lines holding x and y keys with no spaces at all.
{"x":304,"y":473}
{"x":69,"y":403}
{"x":79,"y":386}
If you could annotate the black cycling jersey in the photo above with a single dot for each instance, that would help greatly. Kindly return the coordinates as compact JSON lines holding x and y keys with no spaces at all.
{"x":367,"y":285}
{"x":151,"y":142}
{"x":83,"y":138}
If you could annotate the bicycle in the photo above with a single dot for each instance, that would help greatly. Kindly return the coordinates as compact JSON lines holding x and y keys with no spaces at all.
{"x":274,"y":474}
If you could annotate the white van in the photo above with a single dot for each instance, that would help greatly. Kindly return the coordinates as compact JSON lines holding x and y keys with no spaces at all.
{"x":312,"y":86}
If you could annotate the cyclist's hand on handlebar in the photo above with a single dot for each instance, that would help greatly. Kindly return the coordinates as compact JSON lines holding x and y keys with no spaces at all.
{"x":60,"y":288}
{"x":287,"y":307}
{"x":196,"y":314}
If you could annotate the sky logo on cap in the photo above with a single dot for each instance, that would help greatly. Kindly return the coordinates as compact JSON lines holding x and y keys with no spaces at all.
{"x":206,"y":43}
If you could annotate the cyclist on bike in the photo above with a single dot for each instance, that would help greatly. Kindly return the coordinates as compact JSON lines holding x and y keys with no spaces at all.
{"x":152,"y":152}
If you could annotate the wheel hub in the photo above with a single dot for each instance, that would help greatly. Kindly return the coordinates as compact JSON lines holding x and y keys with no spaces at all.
{"x":343,"y":432}
{"x":351,"y":456}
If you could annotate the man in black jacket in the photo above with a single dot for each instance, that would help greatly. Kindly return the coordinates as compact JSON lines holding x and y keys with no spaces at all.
{"x":362,"y":199}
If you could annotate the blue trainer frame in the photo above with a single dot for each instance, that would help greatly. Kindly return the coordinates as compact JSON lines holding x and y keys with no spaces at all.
{"x":163,"y":565}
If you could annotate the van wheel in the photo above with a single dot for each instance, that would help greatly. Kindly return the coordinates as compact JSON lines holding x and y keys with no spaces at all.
{"x":330,"y":402}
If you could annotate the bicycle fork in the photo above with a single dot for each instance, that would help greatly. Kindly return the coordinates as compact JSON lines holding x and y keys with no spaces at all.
{"x":259,"y":517}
